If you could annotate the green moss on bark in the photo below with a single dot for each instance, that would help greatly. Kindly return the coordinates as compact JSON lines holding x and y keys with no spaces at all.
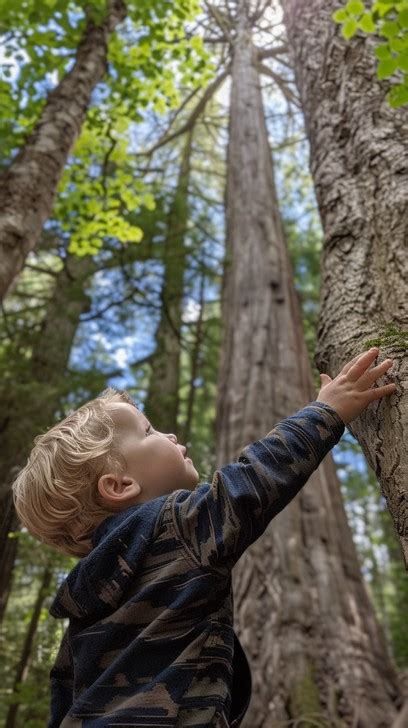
{"x":304,"y":702}
{"x":391,"y":336}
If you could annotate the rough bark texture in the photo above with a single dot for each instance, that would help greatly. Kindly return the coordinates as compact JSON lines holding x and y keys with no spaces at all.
{"x":359,"y":162}
{"x":28,"y":186}
{"x":30,"y":408}
{"x":317,"y":654}
{"x":162,"y":402}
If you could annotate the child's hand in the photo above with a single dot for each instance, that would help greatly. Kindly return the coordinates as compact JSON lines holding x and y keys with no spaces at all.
{"x":351,"y":391}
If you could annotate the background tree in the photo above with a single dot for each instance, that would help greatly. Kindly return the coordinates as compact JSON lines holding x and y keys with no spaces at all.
{"x":30,"y":180}
{"x":162,"y":400}
{"x":294,"y":588}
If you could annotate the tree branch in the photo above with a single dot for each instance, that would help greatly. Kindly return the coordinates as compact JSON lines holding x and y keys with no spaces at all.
{"x":221,"y":19}
{"x":189,"y":124}
{"x":289,"y":95}
{"x":215,"y":39}
{"x":263,"y":53}
{"x":259,"y":10}
{"x":39,"y":269}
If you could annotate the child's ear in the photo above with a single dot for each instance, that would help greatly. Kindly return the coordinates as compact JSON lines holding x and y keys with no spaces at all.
{"x":132,"y":484}
{"x":116,"y":488}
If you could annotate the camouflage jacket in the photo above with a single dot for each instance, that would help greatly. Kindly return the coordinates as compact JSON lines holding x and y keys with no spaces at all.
{"x":150,"y":640}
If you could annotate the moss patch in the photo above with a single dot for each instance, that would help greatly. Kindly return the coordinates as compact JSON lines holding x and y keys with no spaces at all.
{"x":304,"y":702}
{"x":389,"y":335}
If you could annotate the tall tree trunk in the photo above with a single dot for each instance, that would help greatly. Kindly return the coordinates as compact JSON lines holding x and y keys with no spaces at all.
{"x":358,"y":158}
{"x":185,"y":430}
{"x":25,"y":416}
{"x":27,"y":187}
{"x":316,"y":650}
{"x":23,"y":665}
{"x":162,"y":402}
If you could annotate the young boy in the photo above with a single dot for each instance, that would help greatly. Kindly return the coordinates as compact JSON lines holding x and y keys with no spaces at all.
{"x":150,"y":640}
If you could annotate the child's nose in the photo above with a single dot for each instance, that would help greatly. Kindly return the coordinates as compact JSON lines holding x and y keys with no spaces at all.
{"x":173,"y":437}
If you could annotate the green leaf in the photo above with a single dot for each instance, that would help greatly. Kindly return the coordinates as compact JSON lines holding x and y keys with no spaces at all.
{"x":398,"y":96}
{"x":382,"y":8}
{"x":149,"y":201}
{"x":402,"y":61}
{"x":397,"y":45}
{"x":340,"y":16}
{"x":349,"y":28}
{"x":403,"y":18}
{"x":355,"y":7}
{"x":386,"y":68}
{"x":389,"y":29}
{"x":383,"y":52}
{"x":367,"y":24}
{"x":197,"y":43}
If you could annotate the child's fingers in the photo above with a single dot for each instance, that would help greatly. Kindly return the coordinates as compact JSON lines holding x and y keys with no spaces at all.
{"x":349,"y":364}
{"x":373,"y":374}
{"x":361,"y":366}
{"x":378,"y":392}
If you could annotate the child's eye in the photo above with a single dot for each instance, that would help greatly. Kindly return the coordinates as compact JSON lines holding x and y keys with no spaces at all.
{"x":149,"y":430}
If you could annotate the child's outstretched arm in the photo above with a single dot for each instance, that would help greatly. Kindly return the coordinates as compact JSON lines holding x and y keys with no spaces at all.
{"x":217,"y":523}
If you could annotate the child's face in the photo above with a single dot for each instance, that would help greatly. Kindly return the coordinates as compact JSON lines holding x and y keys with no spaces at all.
{"x":155,"y":462}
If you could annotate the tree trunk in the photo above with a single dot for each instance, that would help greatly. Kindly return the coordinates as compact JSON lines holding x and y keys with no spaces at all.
{"x":29,"y":411}
{"x":358,"y":159}
{"x":302,"y":611}
{"x":23,"y":665}
{"x":27,"y":187}
{"x":185,"y":430}
{"x":162,"y":402}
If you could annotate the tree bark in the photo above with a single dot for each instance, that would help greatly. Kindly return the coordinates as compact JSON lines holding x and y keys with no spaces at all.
{"x":162,"y":401}
{"x":302,"y":611}
{"x":28,"y":186}
{"x":26,"y":413}
{"x":358,"y":159}
{"x":24,"y":663}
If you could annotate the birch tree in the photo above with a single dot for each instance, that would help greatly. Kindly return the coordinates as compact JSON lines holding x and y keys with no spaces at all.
{"x":358,"y":159}
{"x":316,"y":650}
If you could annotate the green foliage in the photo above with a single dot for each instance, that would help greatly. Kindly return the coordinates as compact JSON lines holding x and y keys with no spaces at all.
{"x":151,"y":57}
{"x":33,"y":693}
{"x":387,"y":19}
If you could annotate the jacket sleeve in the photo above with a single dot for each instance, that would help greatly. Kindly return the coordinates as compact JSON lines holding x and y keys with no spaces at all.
{"x":217,"y":522}
{"x":62,"y":684}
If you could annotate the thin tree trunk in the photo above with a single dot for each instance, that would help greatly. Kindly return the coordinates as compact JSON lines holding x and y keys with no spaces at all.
{"x":377,"y":576}
{"x":316,"y":650}
{"x":162,"y":402}
{"x":358,"y":158}
{"x":28,"y":186}
{"x":27,"y":416}
{"x":185,"y":431}
{"x":24,"y":663}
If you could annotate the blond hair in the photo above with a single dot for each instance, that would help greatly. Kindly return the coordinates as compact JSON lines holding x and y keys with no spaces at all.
{"x":56,"y":495}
